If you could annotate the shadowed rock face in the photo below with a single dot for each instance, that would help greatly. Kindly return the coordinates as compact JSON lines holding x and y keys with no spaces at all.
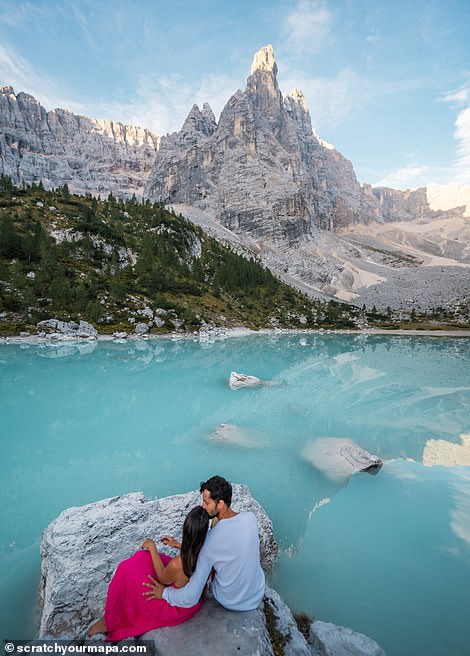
{"x":262,"y":169}
{"x":58,"y":147}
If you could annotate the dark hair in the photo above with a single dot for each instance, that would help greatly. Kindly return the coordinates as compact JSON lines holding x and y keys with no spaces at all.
{"x":219,"y":488}
{"x":194,"y":533}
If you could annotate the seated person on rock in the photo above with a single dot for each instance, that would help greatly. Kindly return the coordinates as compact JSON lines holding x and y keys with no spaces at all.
{"x":231,"y":551}
{"x":127,"y":612}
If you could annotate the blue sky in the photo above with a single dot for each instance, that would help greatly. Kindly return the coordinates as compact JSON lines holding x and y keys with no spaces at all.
{"x":387,"y":83}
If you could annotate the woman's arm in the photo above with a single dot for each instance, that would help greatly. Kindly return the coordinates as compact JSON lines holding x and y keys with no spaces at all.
{"x":165,"y":575}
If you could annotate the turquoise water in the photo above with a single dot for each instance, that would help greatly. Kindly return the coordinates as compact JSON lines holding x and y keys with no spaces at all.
{"x":388,"y":555}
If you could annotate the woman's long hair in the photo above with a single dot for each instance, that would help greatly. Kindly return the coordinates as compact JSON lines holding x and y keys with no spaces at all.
{"x":195,"y":529}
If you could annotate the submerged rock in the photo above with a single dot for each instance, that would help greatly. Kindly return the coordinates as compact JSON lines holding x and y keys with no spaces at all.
{"x":339,"y":458}
{"x":233,"y":435}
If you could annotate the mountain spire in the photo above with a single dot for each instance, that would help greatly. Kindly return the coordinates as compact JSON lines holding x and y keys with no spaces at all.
{"x":264,"y":60}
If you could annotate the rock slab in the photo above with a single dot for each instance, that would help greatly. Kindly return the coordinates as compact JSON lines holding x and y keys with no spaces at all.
{"x":82,"y":547}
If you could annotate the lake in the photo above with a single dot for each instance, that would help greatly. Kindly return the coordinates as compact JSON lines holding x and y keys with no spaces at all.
{"x":387,"y":554}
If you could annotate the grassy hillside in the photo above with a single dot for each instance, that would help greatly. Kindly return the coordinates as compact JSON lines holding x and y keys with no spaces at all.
{"x":71,"y":257}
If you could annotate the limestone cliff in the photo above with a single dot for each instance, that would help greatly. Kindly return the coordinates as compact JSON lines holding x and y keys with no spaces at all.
{"x":262,"y":169}
{"x":57,"y":147}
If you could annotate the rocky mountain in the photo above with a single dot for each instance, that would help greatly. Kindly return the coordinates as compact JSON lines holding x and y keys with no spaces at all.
{"x":58,"y":147}
{"x":263,"y":179}
{"x":261,"y":170}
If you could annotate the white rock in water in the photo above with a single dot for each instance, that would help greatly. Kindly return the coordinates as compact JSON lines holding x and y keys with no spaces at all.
{"x":339,"y":458}
{"x":243,"y":380}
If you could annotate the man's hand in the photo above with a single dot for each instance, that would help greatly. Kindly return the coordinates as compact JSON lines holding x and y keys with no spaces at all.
{"x":156,"y":589}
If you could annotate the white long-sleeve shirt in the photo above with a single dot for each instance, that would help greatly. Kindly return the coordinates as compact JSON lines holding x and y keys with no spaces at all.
{"x":232,"y":549}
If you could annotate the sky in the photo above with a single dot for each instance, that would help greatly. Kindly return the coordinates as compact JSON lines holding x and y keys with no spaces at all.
{"x":387,"y":82}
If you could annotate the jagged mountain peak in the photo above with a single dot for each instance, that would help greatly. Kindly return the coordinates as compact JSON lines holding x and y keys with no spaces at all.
{"x":264,"y":60}
{"x":7,"y":90}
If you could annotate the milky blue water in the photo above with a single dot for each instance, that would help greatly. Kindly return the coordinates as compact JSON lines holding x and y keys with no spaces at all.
{"x":388,"y":555}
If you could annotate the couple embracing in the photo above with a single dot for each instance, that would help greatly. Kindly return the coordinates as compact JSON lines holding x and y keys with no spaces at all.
{"x":226,"y":557}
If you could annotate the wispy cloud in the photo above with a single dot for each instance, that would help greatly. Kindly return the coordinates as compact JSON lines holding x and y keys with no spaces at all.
{"x":462,"y":134}
{"x":308,"y":26}
{"x":162,"y":103}
{"x":331,"y":100}
{"x":23,"y":76}
{"x":460,"y":100}
{"x":410,"y":176}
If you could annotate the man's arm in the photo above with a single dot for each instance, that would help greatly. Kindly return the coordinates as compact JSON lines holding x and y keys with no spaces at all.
{"x":191,"y":593}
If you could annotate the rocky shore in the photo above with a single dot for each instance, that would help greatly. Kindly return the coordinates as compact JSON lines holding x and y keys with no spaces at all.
{"x":53,"y":331}
{"x":82,"y":547}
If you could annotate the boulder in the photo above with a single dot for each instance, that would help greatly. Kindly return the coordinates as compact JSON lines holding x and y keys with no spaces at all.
{"x":294,"y":642}
{"x":63,"y":330}
{"x":331,"y":640}
{"x":87,"y":330}
{"x":141,"y":329}
{"x":242,"y":380}
{"x":82,"y":547}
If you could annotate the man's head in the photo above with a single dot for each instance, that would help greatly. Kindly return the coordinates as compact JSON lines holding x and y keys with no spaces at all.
{"x":216,"y":495}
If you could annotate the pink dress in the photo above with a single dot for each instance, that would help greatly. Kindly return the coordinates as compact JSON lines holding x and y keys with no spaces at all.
{"x":127,"y":612}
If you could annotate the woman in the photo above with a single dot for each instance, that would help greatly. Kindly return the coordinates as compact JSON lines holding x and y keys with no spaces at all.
{"x":128,"y":612}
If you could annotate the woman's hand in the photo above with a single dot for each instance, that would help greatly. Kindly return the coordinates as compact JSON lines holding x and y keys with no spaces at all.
{"x":170,"y":542}
{"x":150,"y":545}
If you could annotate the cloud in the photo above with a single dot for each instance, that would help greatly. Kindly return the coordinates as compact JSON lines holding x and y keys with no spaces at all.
{"x":462,"y":134}
{"x":307,"y":27}
{"x":20,"y":74}
{"x":158,"y":103}
{"x":331,"y":100}
{"x":460,"y":99}
{"x":460,"y":515}
{"x":162,"y":103}
{"x":411,"y":176}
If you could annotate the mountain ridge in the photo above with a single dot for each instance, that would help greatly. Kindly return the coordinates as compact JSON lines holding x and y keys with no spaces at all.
{"x":262,"y":173}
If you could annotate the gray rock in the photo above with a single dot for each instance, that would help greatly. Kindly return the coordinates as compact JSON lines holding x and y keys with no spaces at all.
{"x":82,"y":547}
{"x":215,"y":630}
{"x":86,"y":328}
{"x":24,"y":334}
{"x":146,"y":312}
{"x":58,"y":147}
{"x":48,"y":324}
{"x":141,"y":329}
{"x":296,"y":644}
{"x":159,"y":323}
{"x":331,"y":640}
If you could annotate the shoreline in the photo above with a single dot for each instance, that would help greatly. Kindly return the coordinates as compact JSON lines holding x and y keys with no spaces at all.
{"x":226,"y":333}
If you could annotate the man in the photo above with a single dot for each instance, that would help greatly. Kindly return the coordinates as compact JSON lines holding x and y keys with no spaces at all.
{"x":231,"y":549}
